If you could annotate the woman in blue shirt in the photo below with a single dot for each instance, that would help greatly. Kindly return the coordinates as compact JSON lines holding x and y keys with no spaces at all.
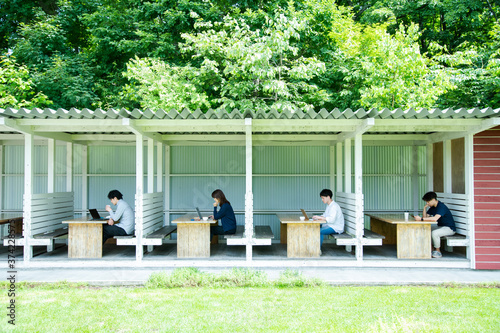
{"x":225,"y":215}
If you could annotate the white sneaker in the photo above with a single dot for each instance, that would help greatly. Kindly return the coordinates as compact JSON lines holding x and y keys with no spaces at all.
{"x":436,"y":254}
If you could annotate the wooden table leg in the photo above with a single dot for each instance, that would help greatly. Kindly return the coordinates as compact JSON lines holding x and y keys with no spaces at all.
{"x":283,"y":235}
{"x":386,"y":229}
{"x":414,"y":241}
{"x":85,"y":240}
{"x":193,"y":240}
{"x":303,"y":240}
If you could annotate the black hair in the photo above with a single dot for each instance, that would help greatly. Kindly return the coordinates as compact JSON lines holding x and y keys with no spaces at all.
{"x":219,"y":195}
{"x":429,"y":196}
{"x":115,"y":194}
{"x":326,"y":193}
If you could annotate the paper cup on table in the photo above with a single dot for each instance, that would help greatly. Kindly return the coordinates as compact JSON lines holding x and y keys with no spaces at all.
{"x":302,"y":218}
{"x":407,"y":215}
{"x":205,"y":218}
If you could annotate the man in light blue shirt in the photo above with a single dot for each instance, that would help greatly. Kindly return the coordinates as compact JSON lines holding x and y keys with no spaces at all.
{"x":332,"y":216}
{"x":122,"y":221}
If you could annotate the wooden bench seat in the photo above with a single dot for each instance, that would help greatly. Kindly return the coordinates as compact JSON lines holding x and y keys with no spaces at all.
{"x":52,"y":234}
{"x":455,"y":240}
{"x":348,"y":240}
{"x":262,"y":235}
{"x":154,"y":238}
{"x":240,"y":230}
{"x":263,"y":232}
{"x":163,"y":232}
{"x":48,"y":238}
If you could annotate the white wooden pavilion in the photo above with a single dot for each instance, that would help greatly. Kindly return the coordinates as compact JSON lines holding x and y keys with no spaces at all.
{"x":154,"y":133}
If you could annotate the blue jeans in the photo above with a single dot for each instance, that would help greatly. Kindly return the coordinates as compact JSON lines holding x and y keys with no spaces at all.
{"x":109,"y":231}
{"x":219,"y":230}
{"x":325,"y":230}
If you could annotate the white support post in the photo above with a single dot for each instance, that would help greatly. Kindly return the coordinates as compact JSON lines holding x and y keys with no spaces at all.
{"x":339,"y":167}
{"x":430,"y":167}
{"x":332,"y":168}
{"x":414,"y":178}
{"x":28,"y":193}
{"x":69,"y":167}
{"x":469,"y":192}
{"x":167,"y":183}
{"x":347,"y":166}
{"x":159,"y":167}
{"x":447,"y":166}
{"x":151,"y":168}
{"x":249,"y":193}
{"x":51,"y":173}
{"x":358,"y":190}
{"x":1,"y":178}
{"x":139,"y":191}
{"x":85,"y":180}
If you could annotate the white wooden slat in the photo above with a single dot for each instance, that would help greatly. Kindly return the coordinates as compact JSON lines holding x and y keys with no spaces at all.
{"x":56,"y":218}
{"x":153,"y":195}
{"x":49,"y":207}
{"x":50,"y":213}
{"x":151,"y":214}
{"x":51,"y":195}
{"x":152,"y":205}
{"x":345,"y":195}
{"x":48,"y":202}
{"x":452,"y":196}
{"x":151,"y":228}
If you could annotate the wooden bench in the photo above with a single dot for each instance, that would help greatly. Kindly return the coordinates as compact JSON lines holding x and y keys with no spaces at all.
{"x":51,"y":236}
{"x":458,"y":204}
{"x":262,"y":233}
{"x":153,"y":230}
{"x":154,"y":238}
{"x":346,"y":239}
{"x":48,"y":210}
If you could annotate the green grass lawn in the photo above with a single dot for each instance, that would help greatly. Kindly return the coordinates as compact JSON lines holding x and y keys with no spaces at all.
{"x":268,"y":308}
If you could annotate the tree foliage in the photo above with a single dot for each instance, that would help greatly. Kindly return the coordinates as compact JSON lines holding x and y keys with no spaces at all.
{"x":250,"y":54}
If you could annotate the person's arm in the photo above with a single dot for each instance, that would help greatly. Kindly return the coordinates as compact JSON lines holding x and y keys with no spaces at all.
{"x":221,"y":213}
{"x":120,"y":209}
{"x":427,"y":217}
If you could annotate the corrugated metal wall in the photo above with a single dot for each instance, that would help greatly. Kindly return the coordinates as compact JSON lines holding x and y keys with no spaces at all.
{"x":285,"y":178}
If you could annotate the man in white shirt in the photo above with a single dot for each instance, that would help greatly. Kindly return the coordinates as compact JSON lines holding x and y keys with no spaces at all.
{"x":332,"y":215}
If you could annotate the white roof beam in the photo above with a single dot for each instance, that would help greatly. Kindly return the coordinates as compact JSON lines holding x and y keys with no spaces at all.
{"x":482,"y":126}
{"x":137,"y":130}
{"x":361,"y":128}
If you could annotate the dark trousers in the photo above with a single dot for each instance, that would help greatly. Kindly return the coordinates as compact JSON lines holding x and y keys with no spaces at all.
{"x":218,"y":230}
{"x":109,"y":231}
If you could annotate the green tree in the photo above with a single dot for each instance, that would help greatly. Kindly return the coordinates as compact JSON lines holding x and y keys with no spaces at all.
{"x":16,"y":87}
{"x":244,"y":68}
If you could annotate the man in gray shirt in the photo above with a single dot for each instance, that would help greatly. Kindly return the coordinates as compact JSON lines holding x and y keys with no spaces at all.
{"x":122,"y":221}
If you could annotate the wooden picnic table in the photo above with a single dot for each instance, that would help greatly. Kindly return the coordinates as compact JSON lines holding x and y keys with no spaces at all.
{"x":16,"y":218}
{"x":412,"y":238}
{"x":302,"y":237}
{"x":85,"y":237}
{"x":193,"y":236}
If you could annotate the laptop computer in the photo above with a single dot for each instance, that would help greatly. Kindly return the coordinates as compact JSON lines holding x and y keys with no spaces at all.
{"x":304,"y":213}
{"x":199,"y":214}
{"x":95,"y":215}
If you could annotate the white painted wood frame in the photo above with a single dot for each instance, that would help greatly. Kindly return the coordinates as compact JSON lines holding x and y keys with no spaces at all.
{"x":167,"y":184}
{"x":51,"y":161}
{"x":85,"y":180}
{"x":69,"y":167}
{"x":469,"y":192}
{"x":430,"y":167}
{"x":358,"y":191}
{"x":139,"y":190}
{"x":28,"y":193}
{"x":248,"y":189}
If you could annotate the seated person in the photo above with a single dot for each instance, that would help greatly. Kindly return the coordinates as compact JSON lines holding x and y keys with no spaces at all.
{"x":122,"y":221}
{"x":225,"y":214}
{"x":332,"y":215}
{"x":435,"y":210}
